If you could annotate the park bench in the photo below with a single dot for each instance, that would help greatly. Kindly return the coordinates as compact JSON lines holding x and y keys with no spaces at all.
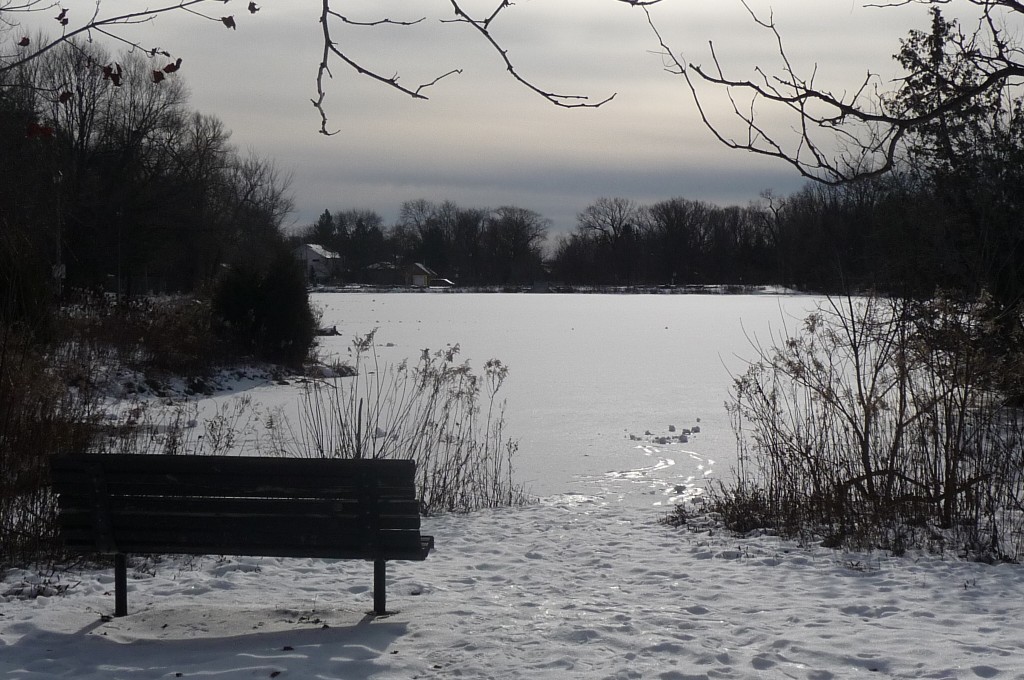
{"x":115,"y":504}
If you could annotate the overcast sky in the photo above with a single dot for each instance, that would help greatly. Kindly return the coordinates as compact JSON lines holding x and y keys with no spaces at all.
{"x":483,"y":140}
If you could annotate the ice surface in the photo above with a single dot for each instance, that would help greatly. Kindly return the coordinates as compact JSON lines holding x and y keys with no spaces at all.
{"x":586,"y":371}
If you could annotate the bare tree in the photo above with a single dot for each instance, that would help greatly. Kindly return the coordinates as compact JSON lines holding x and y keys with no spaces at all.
{"x":840,"y":136}
{"x":615,"y":225}
{"x":610,"y":219}
{"x":513,"y":240}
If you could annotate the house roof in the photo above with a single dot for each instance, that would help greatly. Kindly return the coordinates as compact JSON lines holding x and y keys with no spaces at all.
{"x":420,"y":267}
{"x":321,"y":251}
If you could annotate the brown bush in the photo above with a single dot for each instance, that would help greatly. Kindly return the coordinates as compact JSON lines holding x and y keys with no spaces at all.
{"x":882,"y":424}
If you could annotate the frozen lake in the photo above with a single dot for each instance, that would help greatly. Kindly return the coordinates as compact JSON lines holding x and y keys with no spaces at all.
{"x":594,"y":380}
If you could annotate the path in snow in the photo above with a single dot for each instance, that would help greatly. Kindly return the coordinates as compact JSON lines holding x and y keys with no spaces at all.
{"x":671,"y":474}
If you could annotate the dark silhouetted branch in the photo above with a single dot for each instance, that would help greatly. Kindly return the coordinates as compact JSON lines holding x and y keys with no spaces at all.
{"x":840,"y":137}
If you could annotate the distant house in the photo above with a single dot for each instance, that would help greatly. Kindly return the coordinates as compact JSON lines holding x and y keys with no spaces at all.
{"x":319,"y":263}
{"x":419,"y":275}
{"x":383,"y":274}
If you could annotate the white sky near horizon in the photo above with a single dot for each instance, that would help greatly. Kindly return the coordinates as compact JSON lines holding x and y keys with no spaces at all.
{"x":483,"y":140}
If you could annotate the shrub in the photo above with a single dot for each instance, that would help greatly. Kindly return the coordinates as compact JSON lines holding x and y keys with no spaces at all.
{"x":26,"y":292}
{"x":881,"y":425}
{"x":51,"y":384}
{"x":41,"y":414}
{"x":263,"y":310}
{"x":167,"y":333}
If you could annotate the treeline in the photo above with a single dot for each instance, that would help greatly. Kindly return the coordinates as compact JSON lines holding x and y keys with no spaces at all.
{"x":109,"y":180}
{"x":473,"y":246}
{"x":897,"y":235}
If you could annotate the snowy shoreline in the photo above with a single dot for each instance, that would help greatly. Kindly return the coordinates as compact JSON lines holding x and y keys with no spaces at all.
{"x":574,"y":586}
{"x":564,"y":289}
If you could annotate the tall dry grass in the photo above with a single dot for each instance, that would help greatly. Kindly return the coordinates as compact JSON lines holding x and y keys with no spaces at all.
{"x":437,"y":412}
{"x":47,"y":406}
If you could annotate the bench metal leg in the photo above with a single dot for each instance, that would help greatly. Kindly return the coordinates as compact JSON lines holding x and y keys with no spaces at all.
{"x":120,"y":584}
{"x":379,"y":593}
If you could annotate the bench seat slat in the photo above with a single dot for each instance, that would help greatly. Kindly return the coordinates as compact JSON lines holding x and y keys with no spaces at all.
{"x":238,"y":489}
{"x":220,"y":475}
{"x":272,"y":507}
{"x":235,"y":465}
{"x":242,"y":486}
{"x":413,"y":553}
{"x":252,"y":524}
{"x":224,"y":541}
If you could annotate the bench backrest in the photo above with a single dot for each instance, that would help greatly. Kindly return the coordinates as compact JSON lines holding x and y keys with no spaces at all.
{"x":234,"y":505}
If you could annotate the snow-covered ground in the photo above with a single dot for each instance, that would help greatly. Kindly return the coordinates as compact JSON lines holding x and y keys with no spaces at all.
{"x":586,"y":583}
{"x":571,"y":587}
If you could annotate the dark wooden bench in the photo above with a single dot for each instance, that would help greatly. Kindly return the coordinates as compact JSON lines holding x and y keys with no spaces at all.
{"x":115,"y":504}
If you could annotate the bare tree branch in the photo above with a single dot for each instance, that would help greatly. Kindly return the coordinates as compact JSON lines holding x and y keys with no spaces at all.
{"x":97,"y":23}
{"x":840,"y":137}
{"x":483,"y":27}
{"x":330,"y":48}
